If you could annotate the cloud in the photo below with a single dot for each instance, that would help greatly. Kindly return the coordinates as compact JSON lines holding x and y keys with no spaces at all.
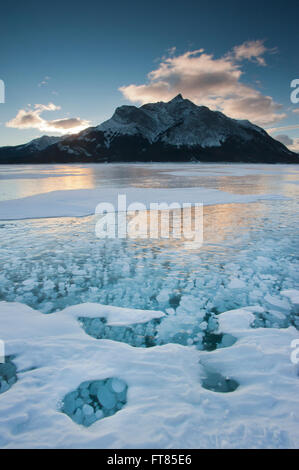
{"x":45,"y":81}
{"x":282,"y":128}
{"x":209,"y":81}
{"x":31,"y":119}
{"x":295,"y":146}
{"x":291,"y":143}
{"x":67,"y":123}
{"x":296,"y":110}
{"x":284,"y":139}
{"x":251,"y":50}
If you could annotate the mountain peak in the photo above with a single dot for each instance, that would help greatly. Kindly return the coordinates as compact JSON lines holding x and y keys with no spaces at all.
{"x":177,"y":98}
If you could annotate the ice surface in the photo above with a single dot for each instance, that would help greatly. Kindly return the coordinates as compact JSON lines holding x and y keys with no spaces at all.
{"x":222,"y":318}
{"x":293,"y":296}
{"x":58,"y":264}
{"x":83,"y":202}
{"x":166,"y":401}
{"x":234,"y":170}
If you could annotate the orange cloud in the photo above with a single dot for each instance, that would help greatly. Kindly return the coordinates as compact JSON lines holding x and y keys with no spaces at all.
{"x":31,"y":119}
{"x":209,"y":81}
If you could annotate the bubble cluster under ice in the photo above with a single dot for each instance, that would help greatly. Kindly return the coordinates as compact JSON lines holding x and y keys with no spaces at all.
{"x":8,"y":374}
{"x":94,"y":400}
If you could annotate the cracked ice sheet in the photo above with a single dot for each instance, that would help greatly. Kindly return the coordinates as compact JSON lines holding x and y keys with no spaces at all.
{"x":167,"y":407}
{"x":82,"y":202}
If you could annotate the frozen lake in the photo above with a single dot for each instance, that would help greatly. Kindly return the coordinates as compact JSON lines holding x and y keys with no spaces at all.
{"x":65,"y":251}
{"x":52,"y":260}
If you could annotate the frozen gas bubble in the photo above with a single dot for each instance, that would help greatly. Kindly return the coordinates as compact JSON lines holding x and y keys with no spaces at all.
{"x":139,"y":335}
{"x":183,"y":329}
{"x":99,"y":414}
{"x":106,"y":398}
{"x":87,"y":410}
{"x":118,"y":385}
{"x":67,"y":275}
{"x":94,"y":400}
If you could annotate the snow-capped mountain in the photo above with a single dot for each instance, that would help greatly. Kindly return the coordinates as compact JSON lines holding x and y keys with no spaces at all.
{"x":177,"y":130}
{"x":178,"y":122}
{"x":24,"y":153}
{"x":41,"y":143}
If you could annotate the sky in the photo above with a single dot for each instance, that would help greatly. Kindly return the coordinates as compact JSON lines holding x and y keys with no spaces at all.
{"x":67,"y":65}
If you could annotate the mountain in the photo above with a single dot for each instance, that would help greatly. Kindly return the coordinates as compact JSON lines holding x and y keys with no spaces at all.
{"x":24,"y":153}
{"x":175,"y":131}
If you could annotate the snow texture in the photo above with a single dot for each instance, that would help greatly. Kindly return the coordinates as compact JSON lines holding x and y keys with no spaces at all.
{"x":169,"y":402}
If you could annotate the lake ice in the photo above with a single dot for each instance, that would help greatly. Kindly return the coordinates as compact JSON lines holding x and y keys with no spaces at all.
{"x":202,"y":338}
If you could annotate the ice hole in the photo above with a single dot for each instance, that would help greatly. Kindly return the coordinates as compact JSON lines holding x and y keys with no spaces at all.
{"x":157,"y":332}
{"x":94,"y":400}
{"x":8,"y":374}
{"x":215,"y":382}
{"x":139,"y":335}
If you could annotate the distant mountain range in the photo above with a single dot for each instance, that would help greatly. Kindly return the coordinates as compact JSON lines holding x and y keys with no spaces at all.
{"x":177,"y":131}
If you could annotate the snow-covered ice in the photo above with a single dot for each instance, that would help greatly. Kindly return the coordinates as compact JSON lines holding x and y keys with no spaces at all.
{"x":168,"y":403}
{"x":82,"y":202}
{"x":202,"y":339}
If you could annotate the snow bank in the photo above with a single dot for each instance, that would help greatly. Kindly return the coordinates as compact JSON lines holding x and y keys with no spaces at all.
{"x":115,"y":316}
{"x":82,"y":202}
{"x":167,"y":407}
{"x":31,"y":323}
